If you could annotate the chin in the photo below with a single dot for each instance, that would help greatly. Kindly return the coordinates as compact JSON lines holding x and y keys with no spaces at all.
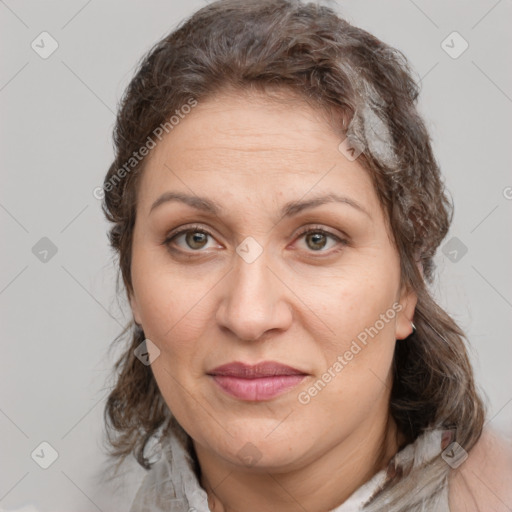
{"x":261,"y":453}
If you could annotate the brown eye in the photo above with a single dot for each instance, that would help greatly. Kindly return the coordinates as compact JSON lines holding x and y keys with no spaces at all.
{"x":196,"y":239}
{"x":192,"y":239}
{"x":319,"y":240}
{"x":316,"y":240}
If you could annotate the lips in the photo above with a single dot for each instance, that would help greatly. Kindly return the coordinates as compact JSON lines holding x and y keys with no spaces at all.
{"x":262,"y":381}
{"x":246,"y":371}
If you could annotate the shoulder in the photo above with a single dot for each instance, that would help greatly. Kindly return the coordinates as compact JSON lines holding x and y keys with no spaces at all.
{"x":483,"y":481}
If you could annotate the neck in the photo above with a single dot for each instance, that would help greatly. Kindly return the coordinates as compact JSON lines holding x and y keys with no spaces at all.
{"x":321,"y":485}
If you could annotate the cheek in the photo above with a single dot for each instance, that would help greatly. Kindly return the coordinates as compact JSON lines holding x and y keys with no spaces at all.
{"x":355,"y":300}
{"x":173,"y":308}
{"x":361,"y":312}
{"x":174,"y":313}
{"x":355,"y":379}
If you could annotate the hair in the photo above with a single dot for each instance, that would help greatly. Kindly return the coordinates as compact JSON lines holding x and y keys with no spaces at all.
{"x":367,"y":89}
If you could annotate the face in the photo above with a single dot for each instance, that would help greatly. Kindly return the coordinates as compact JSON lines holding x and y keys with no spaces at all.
{"x":257,"y":241}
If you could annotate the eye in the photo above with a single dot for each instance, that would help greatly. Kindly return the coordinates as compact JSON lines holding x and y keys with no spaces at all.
{"x":320,"y":240}
{"x":191,"y":238}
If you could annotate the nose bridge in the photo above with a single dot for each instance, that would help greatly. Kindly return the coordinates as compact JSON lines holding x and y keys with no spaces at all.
{"x":254,"y":300}
{"x":252,"y":281}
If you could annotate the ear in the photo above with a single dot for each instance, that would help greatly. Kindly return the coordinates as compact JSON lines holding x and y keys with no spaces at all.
{"x":135,"y":309}
{"x":408,"y":300}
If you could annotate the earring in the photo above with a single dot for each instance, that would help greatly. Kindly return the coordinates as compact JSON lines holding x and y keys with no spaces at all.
{"x":413,"y":328}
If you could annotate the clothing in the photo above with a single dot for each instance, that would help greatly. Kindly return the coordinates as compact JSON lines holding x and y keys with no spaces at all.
{"x":172,"y":485}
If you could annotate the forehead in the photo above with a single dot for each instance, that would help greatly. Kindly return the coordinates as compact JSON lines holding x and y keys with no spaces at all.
{"x":254,"y":146}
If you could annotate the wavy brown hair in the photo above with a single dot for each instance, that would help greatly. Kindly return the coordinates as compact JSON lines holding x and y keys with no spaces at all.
{"x":369,"y":94}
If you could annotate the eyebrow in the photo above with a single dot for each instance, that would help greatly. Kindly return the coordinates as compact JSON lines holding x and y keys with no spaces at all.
{"x":289,"y":209}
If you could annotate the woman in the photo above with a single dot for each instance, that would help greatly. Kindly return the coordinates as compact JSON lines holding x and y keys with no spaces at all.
{"x":276,"y":207}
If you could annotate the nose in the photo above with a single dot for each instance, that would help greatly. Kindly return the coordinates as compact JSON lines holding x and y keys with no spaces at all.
{"x":254,"y":302}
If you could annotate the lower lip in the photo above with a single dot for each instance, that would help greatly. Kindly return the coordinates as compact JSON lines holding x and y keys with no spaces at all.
{"x":263,"y":388}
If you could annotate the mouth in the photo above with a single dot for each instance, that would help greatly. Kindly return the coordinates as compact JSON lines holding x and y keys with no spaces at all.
{"x":259,"y":382}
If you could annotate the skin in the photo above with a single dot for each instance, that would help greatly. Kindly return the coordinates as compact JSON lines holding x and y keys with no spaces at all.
{"x":204,"y":306}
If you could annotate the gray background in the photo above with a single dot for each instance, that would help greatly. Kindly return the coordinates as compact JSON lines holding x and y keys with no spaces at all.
{"x":59,"y":316}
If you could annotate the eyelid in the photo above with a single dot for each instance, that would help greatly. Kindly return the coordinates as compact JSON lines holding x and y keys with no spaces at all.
{"x":185,"y":229}
{"x":320,"y":228}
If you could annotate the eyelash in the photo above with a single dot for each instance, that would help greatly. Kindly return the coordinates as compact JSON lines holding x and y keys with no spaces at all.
{"x":199,"y":229}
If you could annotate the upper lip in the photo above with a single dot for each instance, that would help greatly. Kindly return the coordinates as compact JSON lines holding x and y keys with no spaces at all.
{"x":254,"y":371}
